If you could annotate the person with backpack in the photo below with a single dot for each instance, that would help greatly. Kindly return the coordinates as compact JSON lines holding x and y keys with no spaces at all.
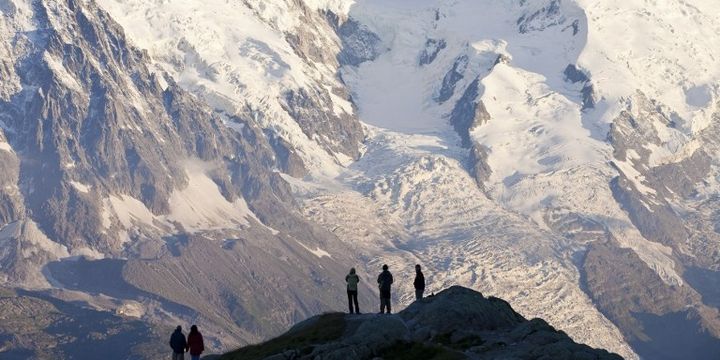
{"x":178,"y":344}
{"x":352,"y":281}
{"x":385,"y":280}
{"x":419,"y":282}
{"x":195,"y":344}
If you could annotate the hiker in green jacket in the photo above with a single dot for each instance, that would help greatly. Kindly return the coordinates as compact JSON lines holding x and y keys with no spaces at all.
{"x":352,"y":281}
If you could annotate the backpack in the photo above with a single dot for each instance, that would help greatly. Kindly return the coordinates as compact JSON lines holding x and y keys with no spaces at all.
{"x":352,"y":281}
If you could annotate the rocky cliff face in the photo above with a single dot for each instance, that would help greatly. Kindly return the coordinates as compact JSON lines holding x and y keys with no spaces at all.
{"x":104,"y":157}
{"x":279,"y":68}
{"x":457,"y":323}
{"x":89,"y":123}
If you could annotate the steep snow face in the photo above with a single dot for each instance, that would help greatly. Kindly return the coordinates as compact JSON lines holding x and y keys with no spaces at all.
{"x":620,"y":46}
{"x":390,"y":92}
{"x":270,"y":62}
{"x":667,"y":50}
{"x":200,"y":206}
{"x":544,"y":125}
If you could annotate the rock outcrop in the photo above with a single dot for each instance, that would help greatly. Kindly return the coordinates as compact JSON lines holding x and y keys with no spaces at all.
{"x":457,"y":323}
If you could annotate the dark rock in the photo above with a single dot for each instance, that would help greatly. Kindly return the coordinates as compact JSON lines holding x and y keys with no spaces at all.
{"x":622,"y":285}
{"x":455,"y":74}
{"x":359,"y":43}
{"x":465,"y":324}
{"x":468,"y":113}
{"x":575,"y":75}
{"x":431,"y":51}
{"x":501,"y":59}
{"x":460,"y":305}
{"x":541,"y":19}
{"x":303,"y":106}
{"x":289,"y":160}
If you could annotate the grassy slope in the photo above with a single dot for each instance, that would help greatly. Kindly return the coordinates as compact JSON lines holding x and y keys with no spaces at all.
{"x":326,"y":328}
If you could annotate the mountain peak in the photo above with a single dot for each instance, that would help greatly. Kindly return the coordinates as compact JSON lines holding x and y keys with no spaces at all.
{"x":457,"y":323}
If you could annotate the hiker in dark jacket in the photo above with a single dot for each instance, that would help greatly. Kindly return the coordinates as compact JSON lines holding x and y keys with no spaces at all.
{"x":195,"y":343}
{"x":385,"y":280}
{"x":419,"y":282}
{"x":352,"y":281}
{"x":178,"y":344}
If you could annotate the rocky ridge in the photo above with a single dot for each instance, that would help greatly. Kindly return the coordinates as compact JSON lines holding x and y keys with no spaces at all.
{"x":456,"y":323}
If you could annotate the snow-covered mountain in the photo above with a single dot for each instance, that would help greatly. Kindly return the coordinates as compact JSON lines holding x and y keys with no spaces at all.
{"x":229,"y":161}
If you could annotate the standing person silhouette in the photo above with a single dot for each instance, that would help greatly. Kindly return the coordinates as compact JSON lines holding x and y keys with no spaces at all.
{"x":352,"y":281}
{"x":178,"y":344}
{"x":419,"y":282}
{"x":385,"y":280}
{"x":195,"y":344}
